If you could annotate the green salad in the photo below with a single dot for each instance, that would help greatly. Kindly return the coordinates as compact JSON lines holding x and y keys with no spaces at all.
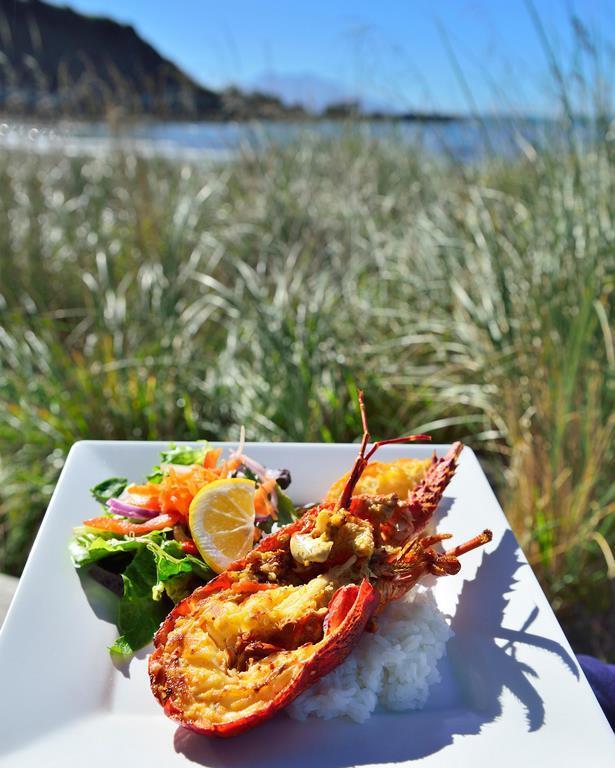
{"x":141,"y":546}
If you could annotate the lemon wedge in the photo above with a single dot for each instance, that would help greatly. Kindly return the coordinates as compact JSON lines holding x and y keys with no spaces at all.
{"x":221,"y":519}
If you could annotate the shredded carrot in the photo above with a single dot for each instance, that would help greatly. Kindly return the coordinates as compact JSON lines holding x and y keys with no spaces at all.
{"x":176,"y":490}
{"x":262,"y":506}
{"x":211,"y":458}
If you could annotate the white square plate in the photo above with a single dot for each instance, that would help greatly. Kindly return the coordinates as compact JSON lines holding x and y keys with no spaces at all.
{"x":511,"y":691}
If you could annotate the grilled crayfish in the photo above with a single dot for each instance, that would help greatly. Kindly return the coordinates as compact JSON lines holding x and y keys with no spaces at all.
{"x":245,"y":645}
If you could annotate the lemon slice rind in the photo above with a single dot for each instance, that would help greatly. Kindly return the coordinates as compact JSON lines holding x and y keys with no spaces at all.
{"x":221,"y":519}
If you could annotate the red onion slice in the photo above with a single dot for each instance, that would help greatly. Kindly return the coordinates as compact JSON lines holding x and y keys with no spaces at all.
{"x":254,"y":466}
{"x":130,"y":510}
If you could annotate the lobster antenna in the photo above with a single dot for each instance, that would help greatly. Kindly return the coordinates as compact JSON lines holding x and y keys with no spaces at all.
{"x":478,"y":541}
{"x":393,"y":440}
{"x":360,"y":462}
{"x":365,"y":438}
{"x":363,"y":413}
{"x":363,"y":457}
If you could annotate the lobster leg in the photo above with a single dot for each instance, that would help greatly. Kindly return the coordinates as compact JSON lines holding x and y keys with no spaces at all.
{"x":399,"y":574}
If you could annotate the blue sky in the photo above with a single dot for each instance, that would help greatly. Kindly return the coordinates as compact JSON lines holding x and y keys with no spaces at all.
{"x":388,"y":52}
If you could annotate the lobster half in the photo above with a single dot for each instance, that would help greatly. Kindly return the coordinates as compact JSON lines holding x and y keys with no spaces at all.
{"x":243,"y":646}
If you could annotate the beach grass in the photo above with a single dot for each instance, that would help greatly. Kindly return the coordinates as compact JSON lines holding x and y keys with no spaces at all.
{"x":145,"y":298}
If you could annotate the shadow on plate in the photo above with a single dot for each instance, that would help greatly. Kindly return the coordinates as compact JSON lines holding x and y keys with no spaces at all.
{"x":478,"y":624}
{"x":101,"y":600}
{"x":410,"y":736}
{"x":444,"y":507}
{"x":103,"y":603}
{"x":123,"y":664}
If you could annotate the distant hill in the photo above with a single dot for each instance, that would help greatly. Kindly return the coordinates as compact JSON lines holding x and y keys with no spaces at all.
{"x":316,"y":92}
{"x":313,"y":91}
{"x":55,"y":61}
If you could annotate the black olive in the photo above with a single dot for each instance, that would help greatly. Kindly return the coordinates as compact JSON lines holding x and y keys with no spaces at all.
{"x":283,"y":479}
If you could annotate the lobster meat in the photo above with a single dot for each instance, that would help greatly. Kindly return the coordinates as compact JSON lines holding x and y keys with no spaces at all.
{"x":243,"y":646}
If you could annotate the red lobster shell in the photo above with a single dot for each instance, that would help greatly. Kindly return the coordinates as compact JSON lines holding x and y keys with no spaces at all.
{"x":242,"y":647}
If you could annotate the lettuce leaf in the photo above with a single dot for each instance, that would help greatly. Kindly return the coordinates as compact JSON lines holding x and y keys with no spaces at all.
{"x":159,"y":574}
{"x":287,"y":511}
{"x":169,"y":558}
{"x":172,"y":561}
{"x":177,"y":572}
{"x":109,"y":489}
{"x":183,"y":454}
{"x":138,"y":615}
{"x":179,"y":587}
{"x":155,"y":476}
{"x":86,"y":547}
{"x":178,"y":454}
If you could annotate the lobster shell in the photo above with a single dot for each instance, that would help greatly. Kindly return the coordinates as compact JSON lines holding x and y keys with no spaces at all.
{"x":348,"y":612}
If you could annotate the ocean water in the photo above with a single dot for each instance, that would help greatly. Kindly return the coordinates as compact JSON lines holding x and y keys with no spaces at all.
{"x":464,"y":141}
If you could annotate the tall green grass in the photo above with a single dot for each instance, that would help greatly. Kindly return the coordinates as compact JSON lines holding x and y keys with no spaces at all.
{"x":147,"y":299}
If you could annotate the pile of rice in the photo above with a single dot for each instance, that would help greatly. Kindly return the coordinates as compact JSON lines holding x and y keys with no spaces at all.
{"x":393,"y":667}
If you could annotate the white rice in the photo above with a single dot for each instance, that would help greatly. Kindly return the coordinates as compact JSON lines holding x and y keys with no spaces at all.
{"x":393,"y":667}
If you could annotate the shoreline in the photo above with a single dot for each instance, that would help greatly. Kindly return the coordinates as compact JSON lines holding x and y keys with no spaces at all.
{"x":461,"y":141}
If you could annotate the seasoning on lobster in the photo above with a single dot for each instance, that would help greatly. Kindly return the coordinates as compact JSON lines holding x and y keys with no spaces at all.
{"x":242,"y":647}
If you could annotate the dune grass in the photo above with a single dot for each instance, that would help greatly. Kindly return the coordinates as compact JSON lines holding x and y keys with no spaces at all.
{"x":147,"y":299}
